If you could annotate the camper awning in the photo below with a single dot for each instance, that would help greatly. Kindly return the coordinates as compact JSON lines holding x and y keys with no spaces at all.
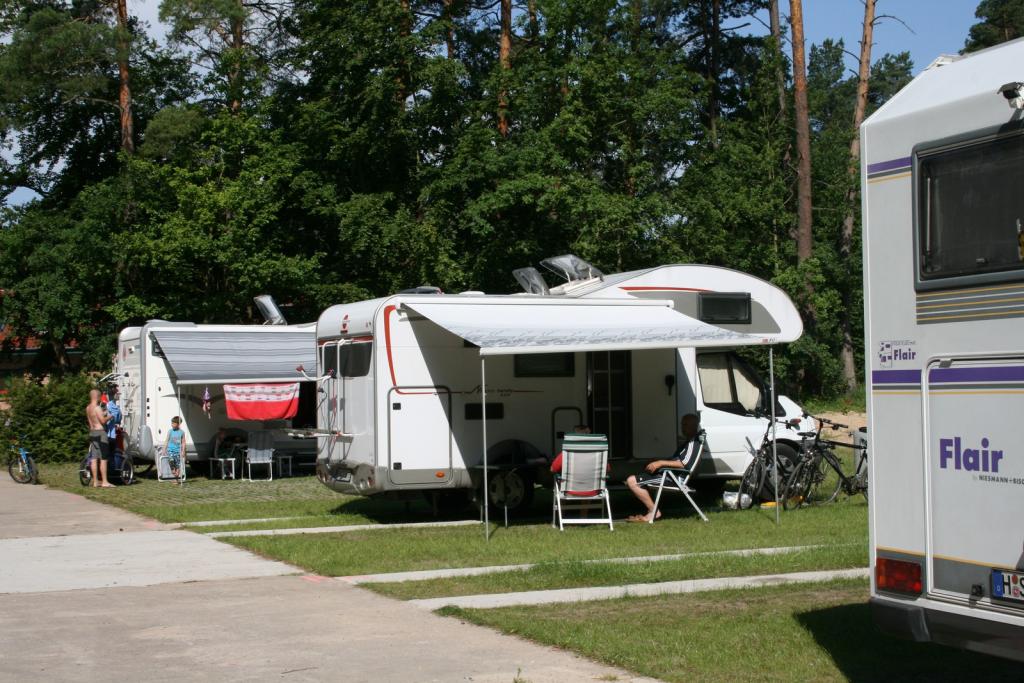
{"x":198,"y":356}
{"x":544,"y":326}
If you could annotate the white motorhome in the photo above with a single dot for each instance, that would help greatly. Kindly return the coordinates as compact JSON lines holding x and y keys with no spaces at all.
{"x":943,"y":207}
{"x":164,"y":369}
{"x":627,"y":354}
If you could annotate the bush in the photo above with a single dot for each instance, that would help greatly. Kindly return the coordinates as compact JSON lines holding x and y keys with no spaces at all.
{"x":49,"y":417}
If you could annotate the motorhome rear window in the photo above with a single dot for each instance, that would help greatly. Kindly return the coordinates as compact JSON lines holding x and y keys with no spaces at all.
{"x":970,"y":213}
{"x":545,"y":365}
{"x":354,"y":359}
{"x":724,"y":307}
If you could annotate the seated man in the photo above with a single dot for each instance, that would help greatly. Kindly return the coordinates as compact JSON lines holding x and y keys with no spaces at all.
{"x":687,"y":450}
{"x":556,"y":465}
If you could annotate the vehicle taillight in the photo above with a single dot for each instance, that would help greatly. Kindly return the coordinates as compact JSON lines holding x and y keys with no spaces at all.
{"x":898,"y":575}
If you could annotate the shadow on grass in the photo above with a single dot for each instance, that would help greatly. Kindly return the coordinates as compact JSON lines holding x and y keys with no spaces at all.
{"x":862,"y":653}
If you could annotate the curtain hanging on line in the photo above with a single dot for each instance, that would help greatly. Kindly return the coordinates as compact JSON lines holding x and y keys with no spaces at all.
{"x":278,"y":401}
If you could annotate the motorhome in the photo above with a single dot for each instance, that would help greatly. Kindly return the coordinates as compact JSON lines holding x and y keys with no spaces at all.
{"x":943,"y":227}
{"x":167,"y":369}
{"x":404,"y":377}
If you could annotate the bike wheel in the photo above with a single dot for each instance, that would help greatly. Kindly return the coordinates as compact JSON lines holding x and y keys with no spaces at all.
{"x":84,"y":473}
{"x":22,"y":470}
{"x":798,"y":486}
{"x":827,"y":482}
{"x":127,"y":470}
{"x":752,"y":481}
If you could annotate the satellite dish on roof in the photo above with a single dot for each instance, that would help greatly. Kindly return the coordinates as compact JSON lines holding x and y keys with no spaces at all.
{"x":531,"y":281}
{"x":272,"y":315}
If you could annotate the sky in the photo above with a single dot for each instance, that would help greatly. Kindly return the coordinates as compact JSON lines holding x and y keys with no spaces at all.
{"x":933,"y":27}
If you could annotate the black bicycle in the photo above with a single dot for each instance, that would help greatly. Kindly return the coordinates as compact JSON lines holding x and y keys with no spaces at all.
{"x":758,"y":481}
{"x":819,"y":476}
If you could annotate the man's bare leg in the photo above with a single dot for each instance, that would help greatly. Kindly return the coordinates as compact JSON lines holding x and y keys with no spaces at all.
{"x":93,"y":467}
{"x":643,"y":496}
{"x":103,"y":475}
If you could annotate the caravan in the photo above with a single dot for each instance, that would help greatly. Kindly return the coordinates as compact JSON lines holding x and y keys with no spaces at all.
{"x":166,"y":369}
{"x":943,"y":208}
{"x":414,"y":386}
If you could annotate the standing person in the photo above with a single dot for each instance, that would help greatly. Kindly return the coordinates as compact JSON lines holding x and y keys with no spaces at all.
{"x":114,"y":413}
{"x":175,"y":447}
{"x":99,"y":444}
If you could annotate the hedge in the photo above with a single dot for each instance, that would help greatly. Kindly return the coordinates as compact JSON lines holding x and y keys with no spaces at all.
{"x":49,"y":418}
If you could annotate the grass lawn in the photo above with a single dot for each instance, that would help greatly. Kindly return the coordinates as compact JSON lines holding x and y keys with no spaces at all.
{"x":202,"y":499}
{"x":369,"y":552}
{"x":577,"y":574}
{"x":820,"y":632}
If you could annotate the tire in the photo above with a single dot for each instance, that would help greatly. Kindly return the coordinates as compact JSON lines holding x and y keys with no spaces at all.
{"x":788,"y":459}
{"x":84,"y":473}
{"x":752,"y":481}
{"x":23,"y":472}
{"x":511,"y":488}
{"x":798,"y":487}
{"x":826,"y":485}
{"x":127,"y":471}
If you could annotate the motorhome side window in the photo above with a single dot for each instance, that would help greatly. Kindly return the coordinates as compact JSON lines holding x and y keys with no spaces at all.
{"x":727,"y":383}
{"x":545,"y":365}
{"x":970,"y":215}
{"x":329,"y":361}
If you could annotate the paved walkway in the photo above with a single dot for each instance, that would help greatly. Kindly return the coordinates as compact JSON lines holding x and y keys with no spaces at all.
{"x":299,"y":627}
{"x":548,"y":597}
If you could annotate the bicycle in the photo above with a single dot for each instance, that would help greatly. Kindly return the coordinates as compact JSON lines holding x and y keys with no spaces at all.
{"x":21,"y":466}
{"x":120,"y":467}
{"x":758,"y":481}
{"x":810,"y":482}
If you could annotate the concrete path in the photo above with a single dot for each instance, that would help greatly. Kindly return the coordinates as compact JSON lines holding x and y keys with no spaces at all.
{"x":338,"y":529}
{"x":489,"y":601}
{"x":458,"y":572}
{"x":294,"y":627}
{"x":285,"y":628}
{"x":23,"y":513}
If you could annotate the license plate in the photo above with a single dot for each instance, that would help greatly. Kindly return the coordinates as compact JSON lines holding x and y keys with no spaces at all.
{"x":1008,"y":585}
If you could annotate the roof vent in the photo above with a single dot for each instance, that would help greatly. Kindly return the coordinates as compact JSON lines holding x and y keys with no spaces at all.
{"x":272,"y":315}
{"x":531,"y":281}
{"x":571,"y":267}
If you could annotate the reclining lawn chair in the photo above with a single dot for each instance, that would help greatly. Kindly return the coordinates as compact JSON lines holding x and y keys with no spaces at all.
{"x":677,"y":479}
{"x":582,"y":481}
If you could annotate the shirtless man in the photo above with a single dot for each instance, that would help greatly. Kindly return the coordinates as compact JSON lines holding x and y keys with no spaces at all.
{"x":99,"y":445}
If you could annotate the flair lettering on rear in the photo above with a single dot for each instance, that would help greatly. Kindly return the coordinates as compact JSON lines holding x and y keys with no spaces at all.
{"x":953,"y":455}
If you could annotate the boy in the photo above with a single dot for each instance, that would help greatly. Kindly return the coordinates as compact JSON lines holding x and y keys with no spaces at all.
{"x":175,"y":447}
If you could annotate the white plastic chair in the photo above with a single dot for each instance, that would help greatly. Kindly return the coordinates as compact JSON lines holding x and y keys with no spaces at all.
{"x":583,"y":480}
{"x":677,"y":479}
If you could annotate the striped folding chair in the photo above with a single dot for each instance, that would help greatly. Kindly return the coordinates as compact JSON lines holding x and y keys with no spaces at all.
{"x":582,"y":482}
{"x":677,"y":479}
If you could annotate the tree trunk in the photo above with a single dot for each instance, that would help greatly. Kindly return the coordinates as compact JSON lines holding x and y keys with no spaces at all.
{"x":449,"y":28}
{"x":531,"y":13}
{"x":846,"y":242}
{"x":505,"y":61}
{"x":776,"y":28}
{"x":404,"y":31}
{"x":235,"y":74}
{"x":804,"y":236}
{"x":713,"y":39}
{"x":124,"y":97}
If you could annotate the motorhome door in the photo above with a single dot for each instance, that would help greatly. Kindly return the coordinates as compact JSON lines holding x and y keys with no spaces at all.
{"x":419,"y":436}
{"x":609,"y":382}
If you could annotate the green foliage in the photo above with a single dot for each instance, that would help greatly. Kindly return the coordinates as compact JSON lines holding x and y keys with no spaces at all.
{"x":1000,"y":21}
{"x":48,"y":418}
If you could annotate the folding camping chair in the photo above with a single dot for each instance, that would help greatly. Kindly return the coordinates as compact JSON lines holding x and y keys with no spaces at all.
{"x":677,"y":479}
{"x":260,"y":451}
{"x":582,"y":481}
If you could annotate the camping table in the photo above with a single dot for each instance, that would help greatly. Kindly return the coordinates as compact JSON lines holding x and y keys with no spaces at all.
{"x":279,"y":461}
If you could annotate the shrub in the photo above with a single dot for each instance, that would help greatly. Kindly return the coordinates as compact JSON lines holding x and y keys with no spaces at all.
{"x":49,"y":417}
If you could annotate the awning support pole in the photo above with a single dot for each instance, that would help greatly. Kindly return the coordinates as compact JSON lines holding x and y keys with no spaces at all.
{"x":483,"y":421}
{"x":775,"y":447}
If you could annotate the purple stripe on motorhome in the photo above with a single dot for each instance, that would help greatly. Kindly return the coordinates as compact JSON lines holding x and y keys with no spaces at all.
{"x":895,"y":376}
{"x":888,"y":165}
{"x":989,"y":374}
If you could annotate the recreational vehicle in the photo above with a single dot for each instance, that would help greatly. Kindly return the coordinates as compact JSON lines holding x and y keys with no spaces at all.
{"x":415,"y":386}
{"x":943,"y":207}
{"x":166,"y":369}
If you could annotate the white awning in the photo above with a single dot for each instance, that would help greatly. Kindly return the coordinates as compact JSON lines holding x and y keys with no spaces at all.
{"x":247,"y":354}
{"x":545,"y":326}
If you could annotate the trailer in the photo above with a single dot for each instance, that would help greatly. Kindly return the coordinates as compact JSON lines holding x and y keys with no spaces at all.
{"x":166,"y":369}
{"x":943,"y":227}
{"x":420,"y":391}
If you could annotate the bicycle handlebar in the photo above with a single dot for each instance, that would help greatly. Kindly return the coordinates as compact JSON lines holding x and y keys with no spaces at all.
{"x":825,"y":420}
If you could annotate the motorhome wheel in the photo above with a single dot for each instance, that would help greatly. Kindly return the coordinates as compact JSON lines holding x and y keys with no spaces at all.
{"x":512,"y":489}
